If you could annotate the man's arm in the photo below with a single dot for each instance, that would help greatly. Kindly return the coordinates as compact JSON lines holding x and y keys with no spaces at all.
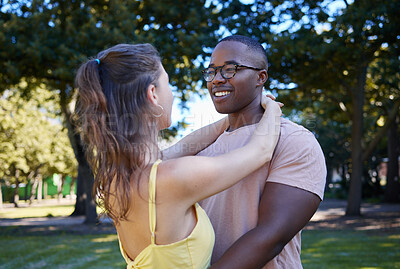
{"x":283,"y":212}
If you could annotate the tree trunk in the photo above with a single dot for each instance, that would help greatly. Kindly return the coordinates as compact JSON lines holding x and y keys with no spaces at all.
{"x":60,"y":185}
{"x":90,"y":207}
{"x":343,"y":173}
{"x":33,"y":189}
{"x":45,"y":190}
{"x":40,"y":189}
{"x":329,"y":175}
{"x":72,"y":188}
{"x":80,"y":197}
{"x":16,"y":195}
{"x":393,"y":186}
{"x":84,"y":203}
{"x":26,"y":191}
{"x":1,"y":197}
{"x":355,"y":191}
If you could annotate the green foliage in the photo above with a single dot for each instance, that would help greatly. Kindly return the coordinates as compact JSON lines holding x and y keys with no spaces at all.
{"x":326,"y":55}
{"x":47,"y":40}
{"x":32,"y":136}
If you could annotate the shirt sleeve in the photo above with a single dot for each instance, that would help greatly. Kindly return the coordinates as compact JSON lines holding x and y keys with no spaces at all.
{"x":298,"y":161}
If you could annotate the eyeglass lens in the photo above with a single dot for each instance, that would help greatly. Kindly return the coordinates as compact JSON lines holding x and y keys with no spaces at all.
{"x":227,"y":71}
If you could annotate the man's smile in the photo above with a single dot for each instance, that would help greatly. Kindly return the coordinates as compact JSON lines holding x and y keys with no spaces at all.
{"x":222,"y":93}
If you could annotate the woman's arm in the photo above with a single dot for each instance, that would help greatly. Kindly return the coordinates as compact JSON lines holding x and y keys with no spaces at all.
{"x":194,"y":178}
{"x":196,"y":141}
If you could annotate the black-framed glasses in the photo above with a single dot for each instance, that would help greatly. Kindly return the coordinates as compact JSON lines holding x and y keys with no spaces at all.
{"x":227,"y":71}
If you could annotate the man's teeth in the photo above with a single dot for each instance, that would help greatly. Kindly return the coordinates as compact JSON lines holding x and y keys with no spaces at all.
{"x":219,"y":94}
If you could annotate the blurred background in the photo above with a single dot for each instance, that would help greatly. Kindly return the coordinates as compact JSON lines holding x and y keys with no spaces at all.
{"x":335,"y":64}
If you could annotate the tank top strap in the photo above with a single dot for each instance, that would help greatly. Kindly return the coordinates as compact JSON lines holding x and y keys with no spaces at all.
{"x":152,"y":200}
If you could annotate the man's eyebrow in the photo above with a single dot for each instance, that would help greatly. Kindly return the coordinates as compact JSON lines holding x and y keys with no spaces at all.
{"x":226,"y":62}
{"x":231,"y":62}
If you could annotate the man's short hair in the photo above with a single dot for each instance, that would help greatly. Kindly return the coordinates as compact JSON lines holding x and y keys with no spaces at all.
{"x":252,"y":44}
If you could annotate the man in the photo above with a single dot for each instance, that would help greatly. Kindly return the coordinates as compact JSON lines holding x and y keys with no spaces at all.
{"x":258,"y":221}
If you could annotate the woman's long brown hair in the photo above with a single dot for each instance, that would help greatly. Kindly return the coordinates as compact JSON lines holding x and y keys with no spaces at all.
{"x":116,"y":120}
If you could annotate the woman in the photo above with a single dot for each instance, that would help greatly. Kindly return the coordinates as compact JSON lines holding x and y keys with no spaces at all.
{"x":124,"y":100}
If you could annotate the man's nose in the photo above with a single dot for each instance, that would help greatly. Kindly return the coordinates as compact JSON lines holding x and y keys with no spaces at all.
{"x":218,"y":77}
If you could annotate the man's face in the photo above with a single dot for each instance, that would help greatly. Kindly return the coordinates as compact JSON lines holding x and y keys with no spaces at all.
{"x":234,"y":94}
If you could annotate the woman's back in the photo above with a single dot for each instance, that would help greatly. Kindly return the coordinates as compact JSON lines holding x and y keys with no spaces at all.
{"x":189,"y":241}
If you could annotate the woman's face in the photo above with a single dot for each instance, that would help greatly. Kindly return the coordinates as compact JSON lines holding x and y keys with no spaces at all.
{"x":166,"y":98}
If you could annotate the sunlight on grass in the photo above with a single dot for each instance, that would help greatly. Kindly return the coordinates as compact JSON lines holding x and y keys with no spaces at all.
{"x":389,"y":245}
{"x":349,"y":249}
{"x":32,"y":212}
{"x":36,"y":211}
{"x":108,"y":238}
{"x":395,"y":236}
{"x":103,"y":250}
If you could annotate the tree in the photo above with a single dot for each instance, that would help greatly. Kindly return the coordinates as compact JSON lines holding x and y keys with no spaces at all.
{"x":323,"y":51}
{"x":327,"y":55}
{"x":384,"y":93}
{"x":34,"y":144}
{"x":45,"y":41}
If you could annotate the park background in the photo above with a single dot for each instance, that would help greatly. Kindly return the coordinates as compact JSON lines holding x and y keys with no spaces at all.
{"x":334,"y":64}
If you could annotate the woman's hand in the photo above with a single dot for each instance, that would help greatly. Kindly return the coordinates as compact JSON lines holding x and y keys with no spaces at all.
{"x":264,"y":100}
{"x":267,"y":133}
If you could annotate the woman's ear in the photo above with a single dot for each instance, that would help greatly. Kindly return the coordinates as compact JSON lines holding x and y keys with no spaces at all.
{"x":262,"y":77}
{"x":152,"y":95}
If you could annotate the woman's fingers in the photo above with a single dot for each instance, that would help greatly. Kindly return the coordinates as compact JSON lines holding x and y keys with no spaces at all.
{"x":265,"y":98}
{"x":270,"y":96}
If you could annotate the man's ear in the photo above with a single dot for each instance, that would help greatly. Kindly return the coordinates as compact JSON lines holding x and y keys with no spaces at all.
{"x":152,"y":95}
{"x":262,"y":77}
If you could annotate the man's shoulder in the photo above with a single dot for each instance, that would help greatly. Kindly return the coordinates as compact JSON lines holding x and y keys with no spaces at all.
{"x":290,"y":133}
{"x":290,"y":128}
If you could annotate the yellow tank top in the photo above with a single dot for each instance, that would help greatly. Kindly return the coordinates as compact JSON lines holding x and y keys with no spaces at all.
{"x":192,"y":252}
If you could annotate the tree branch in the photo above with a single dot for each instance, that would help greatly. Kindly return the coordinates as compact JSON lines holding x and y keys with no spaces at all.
{"x":391,"y":116}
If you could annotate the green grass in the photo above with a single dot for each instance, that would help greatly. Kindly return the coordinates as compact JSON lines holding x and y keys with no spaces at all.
{"x":350,"y":250}
{"x":60,"y":251}
{"x":39,"y":210}
{"x":42,"y":211}
{"x":321,"y":249}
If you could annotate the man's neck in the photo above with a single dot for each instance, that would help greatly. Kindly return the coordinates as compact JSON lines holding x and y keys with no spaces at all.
{"x":251,"y":114}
